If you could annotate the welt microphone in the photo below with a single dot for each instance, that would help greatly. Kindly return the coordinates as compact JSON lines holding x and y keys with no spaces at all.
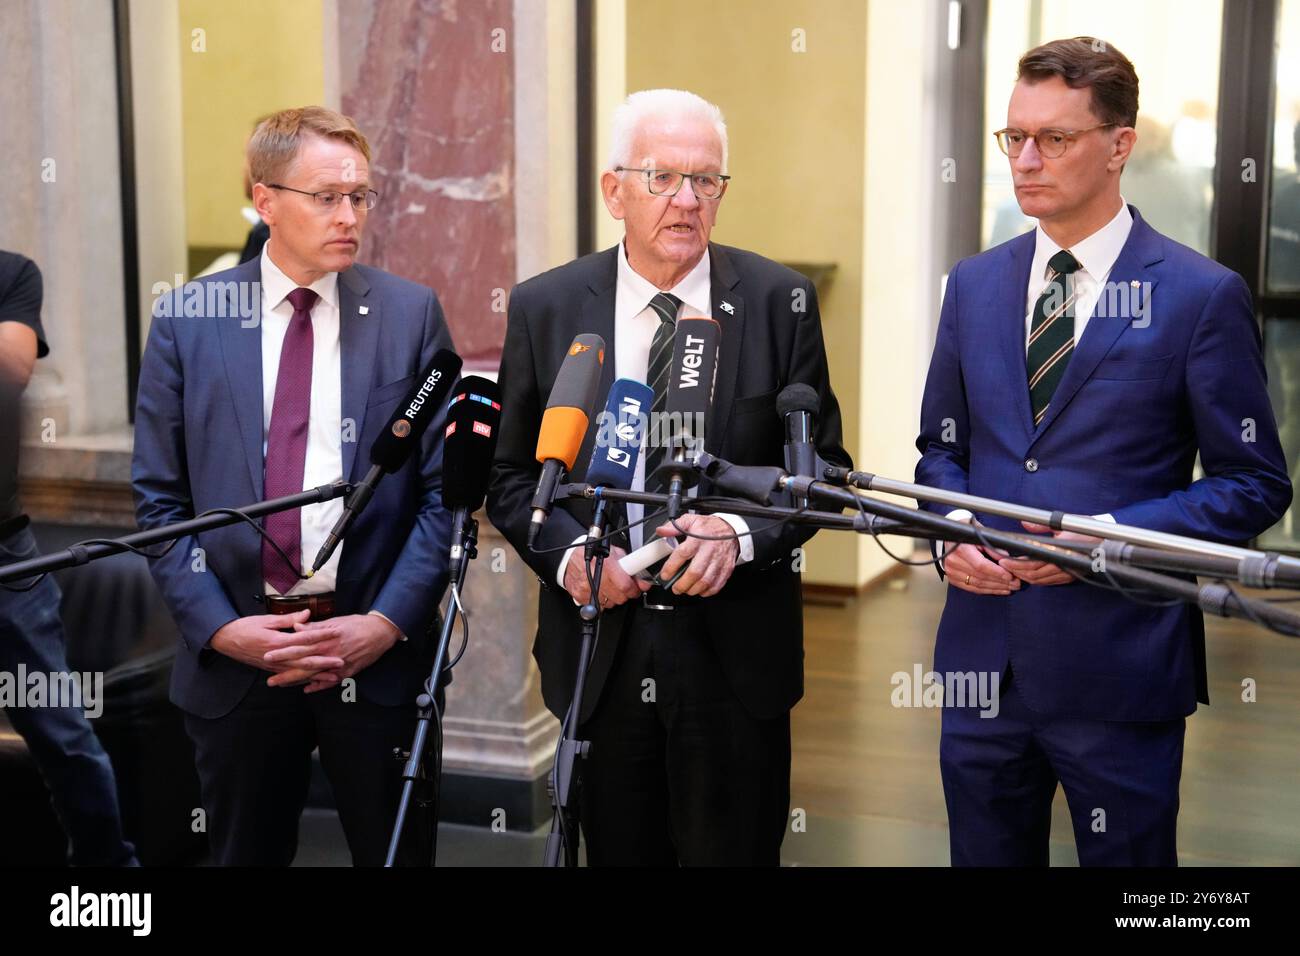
{"x":564,"y":423}
{"x":469,"y":442}
{"x":400,"y":437}
{"x":690,"y":393}
{"x":798,"y":405}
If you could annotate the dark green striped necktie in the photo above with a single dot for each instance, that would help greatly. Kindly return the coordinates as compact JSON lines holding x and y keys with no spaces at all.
{"x":661,"y":356}
{"x":1051,"y":335}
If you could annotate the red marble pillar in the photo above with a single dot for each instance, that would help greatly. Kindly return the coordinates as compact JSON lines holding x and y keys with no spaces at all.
{"x":431,"y":84}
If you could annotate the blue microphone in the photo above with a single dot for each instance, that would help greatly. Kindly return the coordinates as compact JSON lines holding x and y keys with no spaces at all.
{"x":620,"y":431}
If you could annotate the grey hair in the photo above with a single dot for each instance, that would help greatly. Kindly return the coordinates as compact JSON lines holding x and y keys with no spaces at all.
{"x":645,"y":105}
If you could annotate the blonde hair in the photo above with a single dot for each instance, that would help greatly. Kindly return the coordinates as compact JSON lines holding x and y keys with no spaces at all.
{"x":278,"y":138}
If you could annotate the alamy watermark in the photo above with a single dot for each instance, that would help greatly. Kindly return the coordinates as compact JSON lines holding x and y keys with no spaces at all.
{"x":950,"y":689}
{"x":209,"y":300}
{"x":37,"y":689}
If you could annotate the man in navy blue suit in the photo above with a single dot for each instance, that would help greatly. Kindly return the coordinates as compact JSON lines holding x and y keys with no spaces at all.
{"x":259,"y":382}
{"x":1083,"y":367}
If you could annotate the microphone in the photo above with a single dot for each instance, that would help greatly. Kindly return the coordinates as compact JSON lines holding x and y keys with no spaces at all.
{"x":400,"y":437}
{"x":798,"y":405}
{"x":690,"y":393}
{"x":620,"y":430}
{"x":564,"y":423}
{"x":469,"y":443}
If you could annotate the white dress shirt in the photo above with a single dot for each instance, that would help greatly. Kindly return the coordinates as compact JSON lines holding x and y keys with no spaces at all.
{"x":635,"y":323}
{"x":1096,"y":256}
{"x":324,"y":461}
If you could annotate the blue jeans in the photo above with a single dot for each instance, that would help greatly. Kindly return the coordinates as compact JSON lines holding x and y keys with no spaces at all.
{"x":67,"y":752}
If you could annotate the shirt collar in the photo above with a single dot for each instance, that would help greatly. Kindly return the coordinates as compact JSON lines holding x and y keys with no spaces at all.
{"x":276,"y":286}
{"x":1097,"y":253}
{"x":635,"y":291}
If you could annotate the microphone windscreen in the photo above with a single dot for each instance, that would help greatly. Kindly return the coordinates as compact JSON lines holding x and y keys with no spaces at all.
{"x":415,"y":412}
{"x":798,"y":397}
{"x":568,"y":410}
{"x":620,"y":430}
{"x":470,"y":441}
{"x":691,"y":378}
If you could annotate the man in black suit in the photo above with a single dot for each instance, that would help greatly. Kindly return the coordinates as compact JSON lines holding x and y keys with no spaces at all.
{"x":687,"y":703}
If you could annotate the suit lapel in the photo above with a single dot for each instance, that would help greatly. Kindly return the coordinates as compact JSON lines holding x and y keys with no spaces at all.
{"x":358,"y":347}
{"x":241,"y":350}
{"x":729,"y":311}
{"x":1007,"y":318}
{"x":1131,"y":276}
{"x":598,"y":317}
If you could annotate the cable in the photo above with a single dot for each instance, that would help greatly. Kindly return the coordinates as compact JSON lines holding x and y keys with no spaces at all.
{"x":121,"y":547}
{"x":875,"y":536}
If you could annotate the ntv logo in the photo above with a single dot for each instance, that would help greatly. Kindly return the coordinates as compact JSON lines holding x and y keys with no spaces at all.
{"x":75,"y":909}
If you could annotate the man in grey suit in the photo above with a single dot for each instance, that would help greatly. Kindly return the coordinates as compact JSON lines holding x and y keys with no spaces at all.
{"x":259,"y":382}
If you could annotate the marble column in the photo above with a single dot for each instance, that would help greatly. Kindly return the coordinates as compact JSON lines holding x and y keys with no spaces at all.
{"x":432,"y":86}
{"x":63,"y":209}
{"x":469,"y":108}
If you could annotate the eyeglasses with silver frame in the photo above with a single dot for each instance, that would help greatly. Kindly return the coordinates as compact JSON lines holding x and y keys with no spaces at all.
{"x":667,"y":182}
{"x":362,"y":200}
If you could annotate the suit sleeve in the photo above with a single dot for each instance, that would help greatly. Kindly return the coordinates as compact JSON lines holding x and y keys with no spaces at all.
{"x":418,"y":578}
{"x":515,"y":469}
{"x":944,"y":439}
{"x":1246,"y":488}
{"x":807,"y":365}
{"x":945,"y":418}
{"x":161,"y":484}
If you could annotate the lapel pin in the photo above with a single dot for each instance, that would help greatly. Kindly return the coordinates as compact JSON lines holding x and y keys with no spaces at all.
{"x":1134,"y":283}
{"x":364,"y":309}
{"x":728,"y":308}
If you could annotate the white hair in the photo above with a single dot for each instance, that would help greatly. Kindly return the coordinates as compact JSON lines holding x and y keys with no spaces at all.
{"x":634,"y":112}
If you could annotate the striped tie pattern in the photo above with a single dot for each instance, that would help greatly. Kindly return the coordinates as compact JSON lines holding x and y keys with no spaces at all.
{"x":661,"y":357}
{"x":1051,"y":334}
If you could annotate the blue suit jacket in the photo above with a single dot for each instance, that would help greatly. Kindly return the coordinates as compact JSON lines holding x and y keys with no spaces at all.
{"x":1140,"y":398}
{"x":198,"y":445}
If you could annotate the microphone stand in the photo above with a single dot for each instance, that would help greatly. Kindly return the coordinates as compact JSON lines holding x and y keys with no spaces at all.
{"x":564,"y":837}
{"x":427,"y":706}
{"x":882,"y":517}
{"x":1269,"y":569}
{"x":88,"y":551}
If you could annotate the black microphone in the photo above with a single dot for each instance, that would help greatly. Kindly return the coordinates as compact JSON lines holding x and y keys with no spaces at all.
{"x":690,"y":393}
{"x":400,"y":437}
{"x":468,"y":444}
{"x":798,"y":406}
{"x":564,"y":423}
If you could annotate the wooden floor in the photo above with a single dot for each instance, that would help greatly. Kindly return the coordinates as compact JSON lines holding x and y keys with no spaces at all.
{"x":867,"y":774}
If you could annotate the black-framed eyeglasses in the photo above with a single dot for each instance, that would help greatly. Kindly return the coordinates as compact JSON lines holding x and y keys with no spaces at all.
{"x":1051,"y":142}
{"x":667,"y":182}
{"x":330,"y":198}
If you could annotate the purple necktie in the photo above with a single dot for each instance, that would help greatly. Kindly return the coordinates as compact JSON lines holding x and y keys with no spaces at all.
{"x":286,"y":442}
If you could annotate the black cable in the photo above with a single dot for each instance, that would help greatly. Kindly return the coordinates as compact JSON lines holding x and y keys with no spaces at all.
{"x":121,"y":547}
{"x":604,"y":537}
{"x":875,"y":536}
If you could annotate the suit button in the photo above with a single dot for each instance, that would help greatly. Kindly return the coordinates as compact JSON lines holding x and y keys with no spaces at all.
{"x":1031,"y":464}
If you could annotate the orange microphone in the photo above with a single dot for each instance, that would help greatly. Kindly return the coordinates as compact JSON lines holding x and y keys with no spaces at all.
{"x":564,"y":423}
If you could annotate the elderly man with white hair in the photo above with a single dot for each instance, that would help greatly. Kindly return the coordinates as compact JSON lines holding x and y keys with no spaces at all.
{"x":688,"y":696}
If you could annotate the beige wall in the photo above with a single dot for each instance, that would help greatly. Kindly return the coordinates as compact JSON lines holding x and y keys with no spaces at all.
{"x":898,"y":308}
{"x":794,"y":122}
{"x":259,"y":57}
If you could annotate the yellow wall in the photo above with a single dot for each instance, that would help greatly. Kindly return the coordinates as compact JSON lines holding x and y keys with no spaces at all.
{"x":795,"y":129}
{"x":259,"y":57}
